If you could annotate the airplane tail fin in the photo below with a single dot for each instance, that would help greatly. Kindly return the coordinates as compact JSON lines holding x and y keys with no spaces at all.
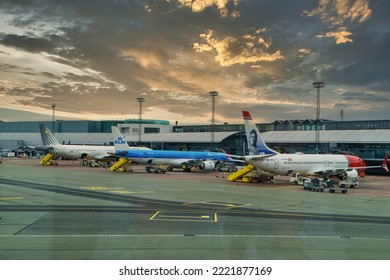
{"x":384,"y":164}
{"x":48,"y":138}
{"x":256,"y":143}
{"x":119,"y":141}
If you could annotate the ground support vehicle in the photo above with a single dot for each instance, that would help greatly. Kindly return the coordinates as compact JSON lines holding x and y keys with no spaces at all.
{"x":259,"y":176}
{"x":91,"y":163}
{"x":122,"y":165}
{"x":349,"y":182}
{"x":314,"y":184}
{"x":297,"y":179}
{"x":154,"y":169}
{"x":333,"y":189}
{"x":226,"y":168}
{"x":249,"y":174}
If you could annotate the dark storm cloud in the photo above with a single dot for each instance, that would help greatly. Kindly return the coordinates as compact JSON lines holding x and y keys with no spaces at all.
{"x":7,"y":67}
{"x":101,"y":55}
{"x":26,"y":43}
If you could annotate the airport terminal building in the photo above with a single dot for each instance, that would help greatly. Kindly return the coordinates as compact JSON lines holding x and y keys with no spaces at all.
{"x":368,"y":139}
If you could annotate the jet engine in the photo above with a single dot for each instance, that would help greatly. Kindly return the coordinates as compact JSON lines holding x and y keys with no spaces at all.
{"x":349,"y":174}
{"x":207,"y":165}
{"x":349,"y":179}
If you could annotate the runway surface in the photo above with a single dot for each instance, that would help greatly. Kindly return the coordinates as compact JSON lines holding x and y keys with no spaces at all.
{"x":75,"y":212}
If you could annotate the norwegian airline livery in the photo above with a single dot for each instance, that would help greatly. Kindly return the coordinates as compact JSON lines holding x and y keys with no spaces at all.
{"x":51,"y":145}
{"x":177,"y":159}
{"x":262,"y":157}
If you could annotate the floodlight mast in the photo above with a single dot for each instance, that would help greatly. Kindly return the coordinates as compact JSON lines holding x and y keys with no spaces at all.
{"x":140,"y":100}
{"x":53,"y":106}
{"x":318,"y":85}
{"x":213,"y":94}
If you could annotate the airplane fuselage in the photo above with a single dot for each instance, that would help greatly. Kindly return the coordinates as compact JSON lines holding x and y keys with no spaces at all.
{"x":284,"y":164}
{"x":79,"y":151}
{"x":174,"y":158}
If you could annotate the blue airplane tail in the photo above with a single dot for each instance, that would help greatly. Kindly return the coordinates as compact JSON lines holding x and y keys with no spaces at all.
{"x":256,"y":144}
{"x":119,"y":141}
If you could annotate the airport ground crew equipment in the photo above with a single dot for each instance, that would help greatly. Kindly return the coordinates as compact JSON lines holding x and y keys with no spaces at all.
{"x":297,"y":179}
{"x":47,"y":159}
{"x":249,"y":174}
{"x":91,"y":163}
{"x":314,"y":184}
{"x":333,"y":190}
{"x":154,"y":169}
{"x":332,"y":183}
{"x":236,"y":176}
{"x":349,"y":182}
{"x":122,"y":165}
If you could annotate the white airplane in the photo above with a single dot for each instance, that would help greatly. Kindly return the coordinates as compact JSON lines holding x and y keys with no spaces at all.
{"x":177,"y":159}
{"x":262,"y":157}
{"x":52,"y":146}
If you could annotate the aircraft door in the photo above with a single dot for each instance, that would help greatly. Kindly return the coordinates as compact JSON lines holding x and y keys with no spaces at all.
{"x":276,"y":163}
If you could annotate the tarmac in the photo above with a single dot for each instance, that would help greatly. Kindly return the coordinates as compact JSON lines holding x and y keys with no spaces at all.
{"x":73,"y":212}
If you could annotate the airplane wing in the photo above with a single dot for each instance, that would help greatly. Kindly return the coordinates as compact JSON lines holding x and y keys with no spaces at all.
{"x":106,"y":157}
{"x":44,"y":148}
{"x":118,"y":154}
{"x":256,"y":157}
{"x":327,"y":172}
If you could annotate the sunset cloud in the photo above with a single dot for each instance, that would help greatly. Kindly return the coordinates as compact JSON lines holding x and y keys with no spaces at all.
{"x":249,"y":48}
{"x":341,"y":36}
{"x":198,"y":6}
{"x":94,"y":63}
{"x":340,"y":13}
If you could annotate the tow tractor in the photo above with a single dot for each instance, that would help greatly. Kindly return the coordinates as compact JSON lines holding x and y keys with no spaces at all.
{"x":298,"y":179}
{"x":154,"y":169}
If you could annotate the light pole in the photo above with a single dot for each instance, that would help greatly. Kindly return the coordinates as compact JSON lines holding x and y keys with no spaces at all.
{"x":53,"y":106}
{"x":318,"y":85}
{"x":213,"y":94}
{"x":140,"y":100}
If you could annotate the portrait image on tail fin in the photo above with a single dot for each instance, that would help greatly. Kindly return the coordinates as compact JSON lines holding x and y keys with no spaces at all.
{"x":252,"y":143}
{"x":256,"y":144}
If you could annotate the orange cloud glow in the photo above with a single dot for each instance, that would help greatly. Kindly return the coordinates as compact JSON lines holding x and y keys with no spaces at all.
{"x":341,"y":36}
{"x":198,"y":6}
{"x":246,"y":49}
{"x":338,"y":13}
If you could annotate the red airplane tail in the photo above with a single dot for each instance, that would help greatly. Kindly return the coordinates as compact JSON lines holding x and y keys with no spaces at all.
{"x":384,"y":164}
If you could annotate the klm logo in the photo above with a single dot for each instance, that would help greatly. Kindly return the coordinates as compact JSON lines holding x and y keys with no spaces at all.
{"x":120,"y":140}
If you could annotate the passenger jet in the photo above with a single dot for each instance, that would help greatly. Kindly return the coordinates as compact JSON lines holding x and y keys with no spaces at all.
{"x":52,"y":146}
{"x":177,"y":159}
{"x":266,"y":159}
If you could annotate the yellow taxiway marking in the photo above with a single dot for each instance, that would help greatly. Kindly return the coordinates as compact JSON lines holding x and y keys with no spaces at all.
{"x":179,"y":216}
{"x":113,"y":190}
{"x":12,"y":198}
{"x":95,"y":188}
{"x":124,"y":191}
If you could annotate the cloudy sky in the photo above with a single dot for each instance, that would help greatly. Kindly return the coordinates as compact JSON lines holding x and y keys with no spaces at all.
{"x":94,"y":58}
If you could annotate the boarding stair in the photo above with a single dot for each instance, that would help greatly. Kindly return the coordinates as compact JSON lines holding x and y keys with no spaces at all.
{"x":120,"y":165}
{"x":238,"y":175}
{"x":47,"y":159}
